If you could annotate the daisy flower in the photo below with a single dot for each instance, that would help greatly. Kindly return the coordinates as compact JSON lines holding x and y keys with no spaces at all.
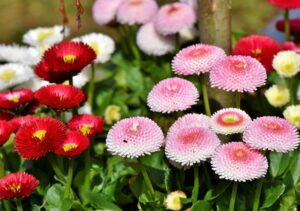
{"x":15,"y":98}
{"x":104,"y":12}
{"x":278,"y":95}
{"x":287,"y":63}
{"x":173,"y":202}
{"x":112,"y":113}
{"x":19,"y":121}
{"x":15,"y":54}
{"x":294,"y":26}
{"x":285,"y":4}
{"x":292,"y":114}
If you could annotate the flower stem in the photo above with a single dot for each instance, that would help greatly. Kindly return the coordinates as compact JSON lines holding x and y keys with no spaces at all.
{"x":91,"y":86}
{"x":207,"y":178}
{"x":147,"y":181}
{"x":233,"y":196}
{"x":286,"y":25}
{"x":195,"y":191}
{"x":259,"y":185}
{"x":205,"y":96}
{"x":70,"y":178}
{"x":87,"y":164}
{"x":238,"y":99}
{"x":55,"y":167}
{"x":19,"y":204}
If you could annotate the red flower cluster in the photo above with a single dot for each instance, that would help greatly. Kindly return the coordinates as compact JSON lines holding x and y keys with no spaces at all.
{"x":19,"y":121}
{"x":286,"y":4}
{"x":15,"y":98}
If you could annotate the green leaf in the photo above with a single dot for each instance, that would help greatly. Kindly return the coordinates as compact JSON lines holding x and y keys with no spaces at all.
{"x":155,"y":160}
{"x":134,"y":79}
{"x":288,"y":201}
{"x":272,"y":192}
{"x":201,"y":205}
{"x":55,"y":199}
{"x":216,"y":191}
{"x":103,"y":99}
{"x":279,"y":162}
{"x":101,"y":201}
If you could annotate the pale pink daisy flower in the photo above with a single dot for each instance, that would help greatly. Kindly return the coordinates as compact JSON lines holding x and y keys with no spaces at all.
{"x":189,"y":146}
{"x":152,"y":43}
{"x":134,"y":137}
{"x":196,"y":59}
{"x":271,"y":133}
{"x":172,"y":94}
{"x":104,"y":11}
{"x":237,"y":162}
{"x":171,"y":18}
{"x":229,"y":121}
{"x":136,"y":11}
{"x":238,"y":74}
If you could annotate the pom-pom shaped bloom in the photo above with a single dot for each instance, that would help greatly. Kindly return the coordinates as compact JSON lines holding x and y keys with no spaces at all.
{"x":60,"y":96}
{"x":171,"y":18}
{"x":238,"y":74}
{"x":196,"y":59}
{"x":14,"y":74}
{"x":104,"y":12}
{"x":15,"y":53}
{"x":260,"y":47}
{"x":190,"y":146}
{"x":136,"y":11}
{"x":19,"y":184}
{"x":271,"y":133}
{"x":102,"y":45}
{"x":160,"y":45}
{"x":112,"y":113}
{"x":229,"y":121}
{"x":73,"y":145}
{"x":88,"y":124}
{"x":172,"y":94}
{"x":173,"y":200}
{"x":134,"y":137}
{"x":287,"y":63}
{"x":37,"y":137}
{"x":19,"y":121}
{"x":5,"y":131}
{"x":293,"y":23}
{"x":292,"y":114}
{"x":278,"y":95}
{"x":15,"y":98}
{"x":237,"y":162}
{"x":45,"y":36}
{"x":286,"y":4}
{"x":6,"y":116}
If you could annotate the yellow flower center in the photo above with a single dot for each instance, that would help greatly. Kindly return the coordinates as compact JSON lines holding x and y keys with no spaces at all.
{"x":257,"y":52}
{"x":112,"y":113}
{"x":230,"y":118}
{"x":40,"y":134}
{"x":14,"y":98}
{"x":94,"y":45}
{"x":69,"y":147}
{"x":85,"y":129}
{"x":240,"y":153}
{"x":8,"y":74}
{"x":69,"y":59}
{"x":288,"y":67}
{"x":44,"y":34}
{"x":14,"y":188}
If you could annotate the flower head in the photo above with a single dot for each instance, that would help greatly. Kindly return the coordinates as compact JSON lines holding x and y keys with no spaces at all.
{"x":173,"y":200}
{"x":134,"y":137}
{"x":292,"y":114}
{"x":278,"y":95}
{"x":19,"y":121}
{"x":172,"y":94}
{"x":136,"y":11}
{"x":196,"y":59}
{"x":238,"y":74}
{"x":37,"y":137}
{"x":19,"y":184}
{"x":15,"y":53}
{"x":160,"y":45}
{"x":15,"y":98}
{"x":59,"y":96}
{"x":287,"y":63}
{"x":73,"y":145}
{"x":5,"y":131}
{"x":104,"y":12}
{"x":229,"y":121}
{"x":189,"y":146}
{"x":294,"y":26}
{"x":285,"y":4}
{"x":237,"y":162}
{"x":260,"y":47}
{"x":271,"y":133}
{"x":112,"y":113}
{"x":88,"y":124}
{"x":171,"y":18}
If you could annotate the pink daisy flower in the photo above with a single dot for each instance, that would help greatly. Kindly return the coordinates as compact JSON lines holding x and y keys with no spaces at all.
{"x":134,"y":137}
{"x":237,"y":162}
{"x":171,"y":18}
{"x":136,"y":11}
{"x":160,"y":45}
{"x":104,"y":11}
{"x":196,"y":59}
{"x":229,"y":121}
{"x":238,"y":74}
{"x":189,"y":146}
{"x":271,"y":133}
{"x":172,"y":94}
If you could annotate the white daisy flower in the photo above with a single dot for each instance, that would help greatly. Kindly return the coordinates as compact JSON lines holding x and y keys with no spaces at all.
{"x":34,"y":83}
{"x":15,"y":54}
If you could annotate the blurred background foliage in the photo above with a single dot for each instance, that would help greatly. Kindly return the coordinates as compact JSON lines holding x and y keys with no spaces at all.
{"x":17,"y":16}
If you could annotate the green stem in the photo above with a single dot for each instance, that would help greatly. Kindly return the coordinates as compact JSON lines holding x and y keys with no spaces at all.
{"x":6,"y":203}
{"x":286,"y":25}
{"x":238,"y":99}
{"x":195,"y":191}
{"x":91,"y":86}
{"x":292,"y":90}
{"x":205,"y":96}
{"x":55,"y":167}
{"x":259,"y":185}
{"x":70,"y":178}
{"x":19,"y":204}
{"x":207,"y":177}
{"x":147,"y":181}
{"x":87,"y":164}
{"x":233,"y":196}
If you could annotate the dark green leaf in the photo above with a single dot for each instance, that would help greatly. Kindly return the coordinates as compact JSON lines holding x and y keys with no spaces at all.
{"x":201,"y":205}
{"x":101,"y":201}
{"x":216,"y":191}
{"x":272,"y":192}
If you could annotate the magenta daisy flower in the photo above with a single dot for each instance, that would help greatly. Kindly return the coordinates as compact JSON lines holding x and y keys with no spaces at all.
{"x":237,"y":162}
{"x":196,"y":59}
{"x":238,"y":74}
{"x":271,"y":133}
{"x":171,"y":18}
{"x":189,"y":146}
{"x":104,"y":11}
{"x":136,"y":11}
{"x":172,"y":94}
{"x":134,"y":137}
{"x":229,"y":121}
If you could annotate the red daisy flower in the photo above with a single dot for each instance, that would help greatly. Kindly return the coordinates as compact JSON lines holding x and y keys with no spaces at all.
{"x":16,"y":123}
{"x":15,"y":98}
{"x":19,"y":184}
{"x":261,"y":47}
{"x":60,"y":96}
{"x":286,"y":4}
{"x":294,"y":25}
{"x":5,"y":131}
{"x":89,"y":125}
{"x":74,"y":144}
{"x":6,"y":116}
{"x":37,"y":137}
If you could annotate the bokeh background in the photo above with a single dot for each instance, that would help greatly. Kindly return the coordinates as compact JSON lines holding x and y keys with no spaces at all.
{"x":17,"y":16}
